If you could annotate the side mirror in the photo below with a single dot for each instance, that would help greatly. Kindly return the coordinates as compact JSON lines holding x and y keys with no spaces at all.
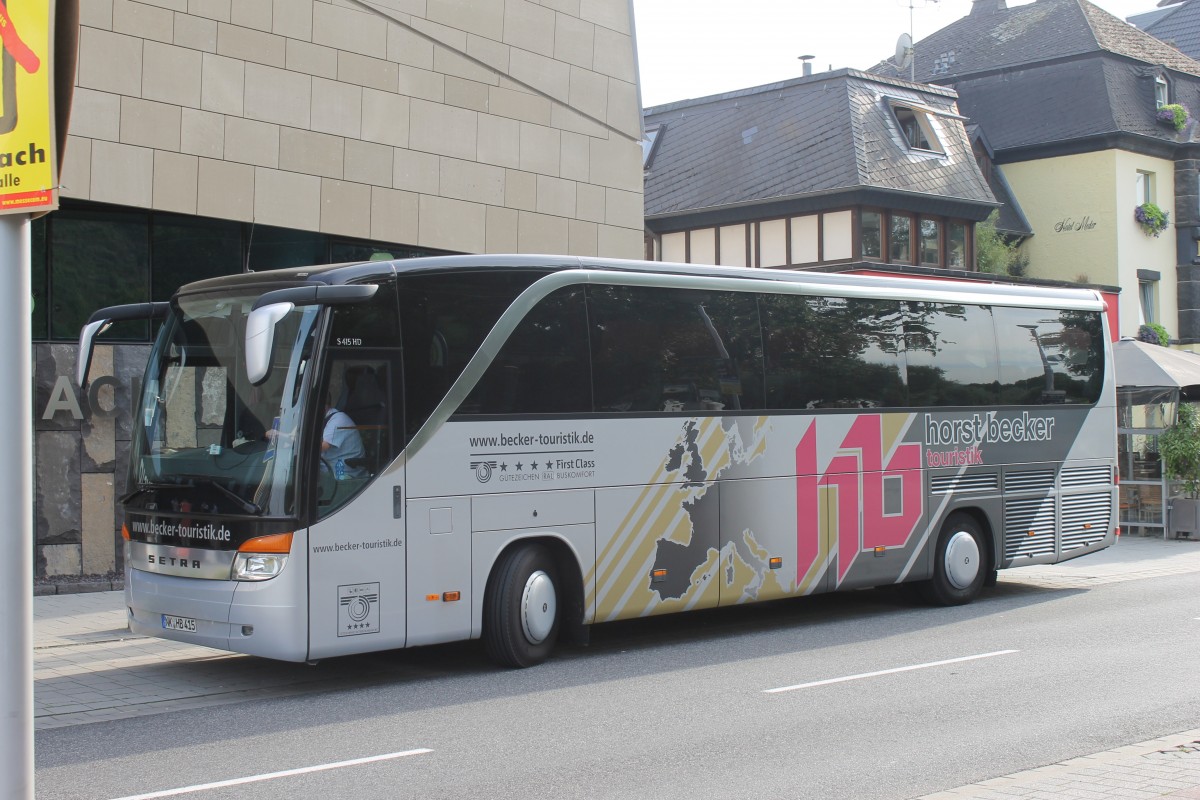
{"x":100,"y":322}
{"x":260,"y":338}
{"x":271,"y":307}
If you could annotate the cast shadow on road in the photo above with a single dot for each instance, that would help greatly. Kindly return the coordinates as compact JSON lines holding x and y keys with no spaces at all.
{"x":445,"y":676}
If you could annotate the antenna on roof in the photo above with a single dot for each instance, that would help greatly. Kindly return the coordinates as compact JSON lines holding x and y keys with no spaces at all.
{"x":906,"y":59}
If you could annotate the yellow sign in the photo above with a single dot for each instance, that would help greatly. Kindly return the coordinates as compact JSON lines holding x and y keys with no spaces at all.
{"x":27,"y":149}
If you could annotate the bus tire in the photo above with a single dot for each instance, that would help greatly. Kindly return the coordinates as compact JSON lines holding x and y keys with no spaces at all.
{"x":960,"y":563}
{"x":521,"y":607}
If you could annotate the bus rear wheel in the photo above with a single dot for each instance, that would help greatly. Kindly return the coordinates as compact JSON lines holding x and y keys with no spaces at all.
{"x":520,"y":623}
{"x":960,"y":564}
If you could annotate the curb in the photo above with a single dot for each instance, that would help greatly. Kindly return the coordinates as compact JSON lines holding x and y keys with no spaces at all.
{"x":77,"y":587}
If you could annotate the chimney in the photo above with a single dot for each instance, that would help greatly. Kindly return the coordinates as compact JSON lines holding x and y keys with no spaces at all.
{"x":987,"y":6}
{"x":807,"y":61}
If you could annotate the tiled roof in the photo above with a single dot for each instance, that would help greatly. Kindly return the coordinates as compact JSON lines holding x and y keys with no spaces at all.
{"x":820,"y":134}
{"x":985,"y":41}
{"x":1180,"y":27}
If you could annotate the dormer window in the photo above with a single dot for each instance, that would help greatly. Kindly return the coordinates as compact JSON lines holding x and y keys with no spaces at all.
{"x":916,"y":128}
{"x":1162,"y":93}
{"x":650,"y":145}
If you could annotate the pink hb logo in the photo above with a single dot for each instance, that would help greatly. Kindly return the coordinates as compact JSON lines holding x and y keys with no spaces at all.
{"x":857,"y":480}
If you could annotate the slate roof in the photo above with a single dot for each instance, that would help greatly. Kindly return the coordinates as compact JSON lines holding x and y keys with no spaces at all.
{"x":827,"y":133}
{"x":985,"y":41}
{"x":1057,"y":71}
{"x":1178,"y":26}
{"x":1011,"y":219}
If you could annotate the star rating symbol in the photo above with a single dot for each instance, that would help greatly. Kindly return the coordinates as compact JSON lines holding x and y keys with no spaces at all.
{"x":533,"y":465}
{"x":518,"y":466}
{"x":503,"y":466}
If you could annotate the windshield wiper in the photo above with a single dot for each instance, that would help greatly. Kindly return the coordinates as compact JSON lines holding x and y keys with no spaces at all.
{"x":151,"y":487}
{"x":247,"y":506}
{"x":204,"y":480}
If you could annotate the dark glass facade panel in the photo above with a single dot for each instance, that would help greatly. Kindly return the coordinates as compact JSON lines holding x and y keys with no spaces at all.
{"x":956,"y":245}
{"x":872,"y":234}
{"x":930,"y":235}
{"x":674,"y":350}
{"x":186,"y":249}
{"x":544,"y":367}
{"x":38,"y":280}
{"x":443,"y":319}
{"x":1050,"y":357}
{"x":342,"y":251}
{"x":900,"y":240}
{"x":280,"y":248}
{"x":832,"y":352}
{"x":98,"y":259}
{"x":181,"y":249}
{"x":950,"y":352}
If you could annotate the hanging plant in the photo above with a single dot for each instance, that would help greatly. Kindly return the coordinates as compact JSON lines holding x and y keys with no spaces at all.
{"x":1173,"y":114}
{"x":1153,"y":333}
{"x":1152,"y":219}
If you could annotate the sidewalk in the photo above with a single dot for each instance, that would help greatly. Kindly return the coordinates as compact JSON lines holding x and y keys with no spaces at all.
{"x":89,"y":667}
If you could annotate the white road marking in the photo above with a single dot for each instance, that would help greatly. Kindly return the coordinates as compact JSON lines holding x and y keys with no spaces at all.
{"x":354,"y":762}
{"x":828,"y":681}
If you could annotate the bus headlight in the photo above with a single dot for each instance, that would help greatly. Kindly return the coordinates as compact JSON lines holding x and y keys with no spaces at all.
{"x":262,"y":557}
{"x":257,"y":566}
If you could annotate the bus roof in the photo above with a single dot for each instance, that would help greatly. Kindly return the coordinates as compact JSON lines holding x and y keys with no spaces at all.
{"x":900,"y":287}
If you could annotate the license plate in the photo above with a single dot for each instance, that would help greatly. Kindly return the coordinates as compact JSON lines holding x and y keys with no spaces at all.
{"x":178,"y":623}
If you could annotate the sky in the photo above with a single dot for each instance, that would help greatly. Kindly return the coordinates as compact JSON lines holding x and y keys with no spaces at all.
{"x":694,"y":48}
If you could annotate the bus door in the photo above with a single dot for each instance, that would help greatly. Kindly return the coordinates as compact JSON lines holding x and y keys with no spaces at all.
{"x":357,"y":545}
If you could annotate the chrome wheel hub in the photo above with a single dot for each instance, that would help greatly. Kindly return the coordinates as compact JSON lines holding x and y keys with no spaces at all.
{"x":539,"y":607}
{"x":962,"y":560}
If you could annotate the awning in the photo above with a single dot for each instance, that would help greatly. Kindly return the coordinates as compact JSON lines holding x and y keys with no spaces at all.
{"x":1141,"y":365}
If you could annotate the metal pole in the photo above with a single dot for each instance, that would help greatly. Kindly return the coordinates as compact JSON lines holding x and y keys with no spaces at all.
{"x":16,"y":514}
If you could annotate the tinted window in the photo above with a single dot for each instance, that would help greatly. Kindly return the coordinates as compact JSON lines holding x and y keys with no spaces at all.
{"x":828,"y":352}
{"x":674,"y":350}
{"x":1050,"y":356}
{"x":444,"y":318}
{"x":950,"y":352}
{"x":543,"y":368}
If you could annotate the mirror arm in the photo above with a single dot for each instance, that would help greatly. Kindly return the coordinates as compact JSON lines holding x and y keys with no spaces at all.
{"x":99,"y":321}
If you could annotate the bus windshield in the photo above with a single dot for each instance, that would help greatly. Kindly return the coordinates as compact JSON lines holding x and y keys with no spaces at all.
{"x":204,"y":439}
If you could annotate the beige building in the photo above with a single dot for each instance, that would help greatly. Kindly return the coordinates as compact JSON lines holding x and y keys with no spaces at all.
{"x":217,"y":136}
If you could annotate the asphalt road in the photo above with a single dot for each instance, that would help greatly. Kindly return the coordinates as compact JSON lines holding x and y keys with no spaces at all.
{"x":909,"y":700}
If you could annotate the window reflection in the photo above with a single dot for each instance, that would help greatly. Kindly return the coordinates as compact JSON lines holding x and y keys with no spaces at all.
{"x":872,"y":235}
{"x":832,"y":352}
{"x":951,"y":355}
{"x":930,"y":234}
{"x":900,"y":240}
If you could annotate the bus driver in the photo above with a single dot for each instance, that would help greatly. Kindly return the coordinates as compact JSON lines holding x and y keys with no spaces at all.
{"x":341,"y":445}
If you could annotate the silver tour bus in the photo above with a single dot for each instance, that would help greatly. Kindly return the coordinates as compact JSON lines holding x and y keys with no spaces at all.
{"x":361,"y":457}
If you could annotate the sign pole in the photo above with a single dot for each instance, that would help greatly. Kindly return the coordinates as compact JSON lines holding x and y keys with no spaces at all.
{"x":16,"y":512}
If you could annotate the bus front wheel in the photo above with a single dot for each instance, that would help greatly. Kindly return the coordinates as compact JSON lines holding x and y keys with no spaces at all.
{"x":960,"y":563}
{"x":521,"y":607}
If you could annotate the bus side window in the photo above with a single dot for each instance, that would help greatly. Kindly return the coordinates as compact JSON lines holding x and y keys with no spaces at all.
{"x":1049,"y":356}
{"x":543,"y":367}
{"x":674,"y":350}
{"x":950,"y":352}
{"x":830,"y":352}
